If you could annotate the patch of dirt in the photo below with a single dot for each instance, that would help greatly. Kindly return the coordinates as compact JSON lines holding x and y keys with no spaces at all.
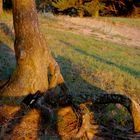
{"x":101,"y":30}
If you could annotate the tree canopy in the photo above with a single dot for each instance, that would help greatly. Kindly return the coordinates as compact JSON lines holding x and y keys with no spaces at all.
{"x":87,"y":7}
{"x":98,"y":7}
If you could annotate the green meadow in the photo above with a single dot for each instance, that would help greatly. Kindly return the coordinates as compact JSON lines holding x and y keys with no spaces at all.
{"x":88,"y":63}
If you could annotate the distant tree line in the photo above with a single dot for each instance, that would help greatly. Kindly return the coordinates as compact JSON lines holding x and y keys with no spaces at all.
{"x":82,"y":8}
{"x":91,"y":7}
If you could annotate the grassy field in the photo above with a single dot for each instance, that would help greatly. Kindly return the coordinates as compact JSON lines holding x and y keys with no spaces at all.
{"x":90,"y":64}
{"x":104,"y":64}
{"x":132,"y":22}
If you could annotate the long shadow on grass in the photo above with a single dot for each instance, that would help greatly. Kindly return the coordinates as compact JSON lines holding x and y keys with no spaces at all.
{"x":78,"y":85}
{"x":129,"y":70}
{"x":71,"y":73}
{"x":7,"y":61}
{"x":6,"y":30}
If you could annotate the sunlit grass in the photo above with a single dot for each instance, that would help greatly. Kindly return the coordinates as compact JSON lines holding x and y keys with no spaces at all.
{"x":6,"y":26}
{"x":90,"y":65}
{"x":116,"y":67}
{"x":132,"y":22}
{"x":6,"y":16}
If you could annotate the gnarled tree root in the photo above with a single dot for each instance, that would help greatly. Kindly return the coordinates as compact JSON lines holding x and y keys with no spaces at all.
{"x":87,"y":127}
{"x":68,"y":124}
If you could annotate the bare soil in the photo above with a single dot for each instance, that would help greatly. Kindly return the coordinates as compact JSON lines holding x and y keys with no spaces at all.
{"x":101,"y":30}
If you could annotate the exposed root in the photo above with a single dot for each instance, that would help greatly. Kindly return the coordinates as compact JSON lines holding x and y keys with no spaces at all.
{"x":88,"y":127}
{"x":56,"y":77}
{"x":67,"y":121}
{"x":135,"y":112}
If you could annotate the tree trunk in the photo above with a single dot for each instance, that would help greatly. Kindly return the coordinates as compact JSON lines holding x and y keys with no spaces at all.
{"x":81,"y":10}
{"x":97,"y":8}
{"x":33,"y":60}
{"x":1,"y":7}
{"x":32,"y":54}
{"x":44,"y":7}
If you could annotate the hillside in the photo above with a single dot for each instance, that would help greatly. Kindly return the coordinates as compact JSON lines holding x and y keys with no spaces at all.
{"x":104,"y":53}
{"x":100,"y":55}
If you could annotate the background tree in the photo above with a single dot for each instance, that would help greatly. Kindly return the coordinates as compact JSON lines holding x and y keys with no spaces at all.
{"x":65,"y":5}
{"x":7,"y":4}
{"x":44,"y":5}
{"x":87,"y":7}
{"x":120,"y":8}
{"x":99,"y":7}
{"x":93,"y":7}
{"x":1,"y":7}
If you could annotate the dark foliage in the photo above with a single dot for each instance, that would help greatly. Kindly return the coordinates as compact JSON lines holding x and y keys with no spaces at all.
{"x":86,"y":7}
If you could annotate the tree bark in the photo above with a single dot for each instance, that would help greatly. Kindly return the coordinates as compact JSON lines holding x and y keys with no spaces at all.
{"x":33,"y":61}
{"x":32,"y":54}
{"x":1,"y":7}
{"x":81,"y":10}
{"x":97,"y":8}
